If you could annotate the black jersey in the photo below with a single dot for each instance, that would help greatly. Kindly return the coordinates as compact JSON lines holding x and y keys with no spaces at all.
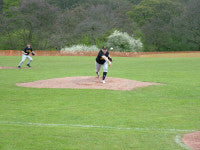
{"x":99,"y":58}
{"x":28,"y":50}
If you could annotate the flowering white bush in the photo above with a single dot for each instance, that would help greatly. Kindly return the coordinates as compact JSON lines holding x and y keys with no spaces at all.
{"x":122,"y":42}
{"x":80,"y":48}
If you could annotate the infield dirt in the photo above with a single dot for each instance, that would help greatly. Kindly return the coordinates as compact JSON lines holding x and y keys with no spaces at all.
{"x":192,"y":140}
{"x":5,"y":67}
{"x":86,"y":82}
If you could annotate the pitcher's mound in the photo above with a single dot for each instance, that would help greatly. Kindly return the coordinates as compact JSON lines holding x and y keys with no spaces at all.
{"x":85,"y":82}
{"x":192,"y":140}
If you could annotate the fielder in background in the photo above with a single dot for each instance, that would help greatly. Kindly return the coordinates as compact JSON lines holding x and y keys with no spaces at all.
{"x":103,"y":59}
{"x":27,"y":50}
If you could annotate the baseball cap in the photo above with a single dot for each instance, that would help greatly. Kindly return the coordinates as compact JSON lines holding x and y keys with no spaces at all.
{"x":104,"y":47}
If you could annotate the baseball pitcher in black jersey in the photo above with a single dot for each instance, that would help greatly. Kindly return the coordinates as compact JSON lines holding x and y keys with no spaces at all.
{"x":26,"y":51}
{"x":103,"y":59}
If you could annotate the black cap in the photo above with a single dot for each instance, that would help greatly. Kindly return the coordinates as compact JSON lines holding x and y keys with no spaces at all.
{"x":104,"y":47}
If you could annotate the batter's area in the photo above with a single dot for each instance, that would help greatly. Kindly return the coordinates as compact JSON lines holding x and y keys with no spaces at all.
{"x":192,"y":140}
{"x":85,"y":82}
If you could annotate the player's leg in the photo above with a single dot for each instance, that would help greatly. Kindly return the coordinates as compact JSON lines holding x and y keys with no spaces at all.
{"x":30,"y":60}
{"x":105,"y":70}
{"x":23,"y":59}
{"x":97,"y":67}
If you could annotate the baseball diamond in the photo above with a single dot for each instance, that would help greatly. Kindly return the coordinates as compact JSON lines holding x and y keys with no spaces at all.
{"x":150,"y":102}
{"x":99,"y":74}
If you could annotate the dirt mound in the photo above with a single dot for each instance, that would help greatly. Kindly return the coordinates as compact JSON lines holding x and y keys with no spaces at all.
{"x":85,"y":82}
{"x":192,"y":140}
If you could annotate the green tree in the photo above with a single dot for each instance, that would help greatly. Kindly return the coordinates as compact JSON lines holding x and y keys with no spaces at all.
{"x":148,"y":9}
{"x":135,"y":2}
{"x":103,"y":18}
{"x":1,"y":6}
{"x":180,"y":34}
{"x":65,"y":4}
{"x":7,"y":4}
{"x":188,"y":26}
{"x":34,"y":22}
{"x":154,"y":18}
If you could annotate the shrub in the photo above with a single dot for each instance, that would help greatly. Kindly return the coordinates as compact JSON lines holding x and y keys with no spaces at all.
{"x":80,"y":48}
{"x":123,"y":42}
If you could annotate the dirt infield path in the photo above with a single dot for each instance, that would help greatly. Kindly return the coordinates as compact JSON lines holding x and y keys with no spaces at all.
{"x":192,"y":140}
{"x":85,"y":82}
{"x":4,"y":67}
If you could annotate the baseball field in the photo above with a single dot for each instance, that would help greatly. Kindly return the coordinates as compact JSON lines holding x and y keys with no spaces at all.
{"x":147,"y":118}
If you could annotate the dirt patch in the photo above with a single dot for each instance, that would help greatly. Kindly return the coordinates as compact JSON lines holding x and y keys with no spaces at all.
{"x":8,"y":67}
{"x":14,"y":67}
{"x":192,"y":140}
{"x":86,"y":82}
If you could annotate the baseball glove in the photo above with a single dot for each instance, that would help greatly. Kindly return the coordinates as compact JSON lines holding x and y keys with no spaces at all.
{"x":109,"y":58}
{"x":33,"y":53}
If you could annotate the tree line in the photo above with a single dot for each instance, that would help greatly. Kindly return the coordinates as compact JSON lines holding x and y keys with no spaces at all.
{"x":161,"y":25}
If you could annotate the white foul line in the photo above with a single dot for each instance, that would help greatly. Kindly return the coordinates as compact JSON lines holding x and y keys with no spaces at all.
{"x":93,"y":126}
{"x":178,"y":141}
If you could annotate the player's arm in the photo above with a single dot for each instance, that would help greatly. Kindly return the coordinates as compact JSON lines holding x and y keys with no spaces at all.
{"x":109,"y":58}
{"x":106,"y":59}
{"x":32,"y":52}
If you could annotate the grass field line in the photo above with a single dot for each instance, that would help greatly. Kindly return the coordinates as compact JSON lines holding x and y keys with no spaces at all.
{"x":93,"y":126}
{"x":177,"y":140}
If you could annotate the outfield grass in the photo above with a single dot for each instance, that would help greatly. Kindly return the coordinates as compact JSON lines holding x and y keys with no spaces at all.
{"x":175,"y":105}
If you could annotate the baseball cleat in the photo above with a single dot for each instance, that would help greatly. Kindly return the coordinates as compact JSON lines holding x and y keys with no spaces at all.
{"x":19,"y":67}
{"x":97,"y":74}
{"x":29,"y":65}
{"x":103,"y":81}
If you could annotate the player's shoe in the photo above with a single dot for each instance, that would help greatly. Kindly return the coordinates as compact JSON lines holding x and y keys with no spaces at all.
{"x":19,"y":67}
{"x":103,"y":81}
{"x":97,"y":74}
{"x":29,"y":65}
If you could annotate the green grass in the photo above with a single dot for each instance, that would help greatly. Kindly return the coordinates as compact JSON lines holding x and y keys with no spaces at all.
{"x":175,"y":105}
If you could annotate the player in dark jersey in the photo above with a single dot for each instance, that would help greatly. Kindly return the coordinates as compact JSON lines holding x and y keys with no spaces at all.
{"x":27,"y":50}
{"x":103,"y":59}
